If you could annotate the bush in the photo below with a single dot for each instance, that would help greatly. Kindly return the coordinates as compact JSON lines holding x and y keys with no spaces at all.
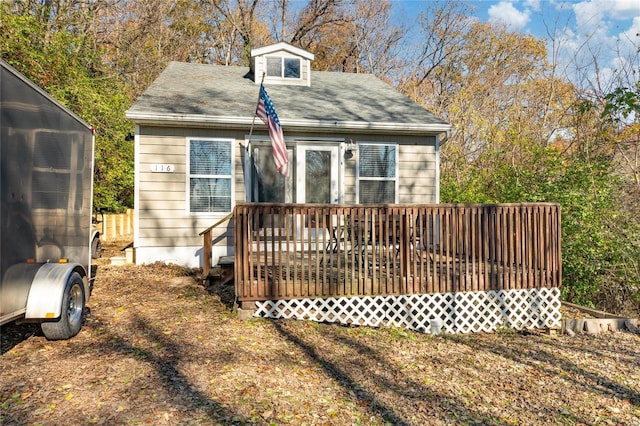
{"x":600,"y":241}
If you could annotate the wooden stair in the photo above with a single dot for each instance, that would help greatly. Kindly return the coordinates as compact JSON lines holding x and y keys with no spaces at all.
{"x":222,"y":272}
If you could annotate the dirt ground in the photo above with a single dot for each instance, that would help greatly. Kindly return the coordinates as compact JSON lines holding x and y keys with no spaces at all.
{"x":158,"y":348}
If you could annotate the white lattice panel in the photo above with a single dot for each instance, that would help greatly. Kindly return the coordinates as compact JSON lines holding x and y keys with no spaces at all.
{"x":458,"y":312}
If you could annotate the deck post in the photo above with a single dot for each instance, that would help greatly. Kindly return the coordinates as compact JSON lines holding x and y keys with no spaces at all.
{"x":206,"y":252}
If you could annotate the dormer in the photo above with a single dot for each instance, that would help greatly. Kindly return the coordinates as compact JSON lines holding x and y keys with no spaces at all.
{"x":281,"y":63}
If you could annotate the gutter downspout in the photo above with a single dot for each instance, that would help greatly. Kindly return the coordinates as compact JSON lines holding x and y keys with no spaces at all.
{"x":437,"y":147}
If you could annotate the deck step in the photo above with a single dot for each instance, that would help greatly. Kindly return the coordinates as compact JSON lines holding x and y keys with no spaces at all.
{"x":118,"y":260}
{"x":226,"y":260}
{"x":222,"y":272}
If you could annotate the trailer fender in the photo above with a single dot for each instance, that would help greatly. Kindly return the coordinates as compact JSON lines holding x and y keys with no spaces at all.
{"x":47,"y":289}
{"x":14,"y":290}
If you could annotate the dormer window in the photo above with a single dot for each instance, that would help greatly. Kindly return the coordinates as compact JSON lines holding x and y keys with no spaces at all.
{"x":283,"y":67}
{"x":281,"y":63}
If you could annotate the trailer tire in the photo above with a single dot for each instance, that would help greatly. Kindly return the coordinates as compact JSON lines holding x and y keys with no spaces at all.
{"x":96,"y":248}
{"x":71,"y":318}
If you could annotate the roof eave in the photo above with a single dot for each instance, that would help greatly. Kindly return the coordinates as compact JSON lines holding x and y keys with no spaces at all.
{"x":169,"y":120}
{"x":282,"y":46}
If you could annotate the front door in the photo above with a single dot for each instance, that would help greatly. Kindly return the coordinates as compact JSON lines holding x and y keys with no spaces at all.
{"x":318,"y":174}
{"x":317,"y":181}
{"x":314,"y":179}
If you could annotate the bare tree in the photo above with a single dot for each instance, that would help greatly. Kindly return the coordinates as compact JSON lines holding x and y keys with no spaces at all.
{"x":495,"y":86}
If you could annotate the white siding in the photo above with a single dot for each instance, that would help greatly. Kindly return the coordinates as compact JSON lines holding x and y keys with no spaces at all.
{"x":167,"y":231}
{"x":417,"y":174}
{"x":164,"y":224}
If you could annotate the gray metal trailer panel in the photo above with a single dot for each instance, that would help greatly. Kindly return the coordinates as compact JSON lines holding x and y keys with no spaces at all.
{"x":46,"y":168}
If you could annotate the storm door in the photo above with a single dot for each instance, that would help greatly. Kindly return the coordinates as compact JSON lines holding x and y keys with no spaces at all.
{"x":317,"y":182}
{"x":317,"y":174}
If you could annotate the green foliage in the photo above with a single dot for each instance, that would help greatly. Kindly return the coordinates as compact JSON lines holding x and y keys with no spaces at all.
{"x":622,"y":103}
{"x":599,"y":242}
{"x":68,"y":67}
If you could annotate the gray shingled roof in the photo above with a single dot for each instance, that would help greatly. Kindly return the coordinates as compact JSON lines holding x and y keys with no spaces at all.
{"x":216,"y":94}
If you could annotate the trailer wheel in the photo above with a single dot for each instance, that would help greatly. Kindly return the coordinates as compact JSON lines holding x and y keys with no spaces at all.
{"x":71,"y":318}
{"x":96,"y":248}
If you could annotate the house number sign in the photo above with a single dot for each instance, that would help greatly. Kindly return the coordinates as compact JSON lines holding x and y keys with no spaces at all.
{"x":163,"y":168}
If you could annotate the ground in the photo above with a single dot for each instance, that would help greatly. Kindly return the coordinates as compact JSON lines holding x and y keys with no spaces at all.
{"x":158,"y":348}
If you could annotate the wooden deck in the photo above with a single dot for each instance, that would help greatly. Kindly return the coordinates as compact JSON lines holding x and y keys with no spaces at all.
{"x":286,"y":251}
{"x":307,"y":275}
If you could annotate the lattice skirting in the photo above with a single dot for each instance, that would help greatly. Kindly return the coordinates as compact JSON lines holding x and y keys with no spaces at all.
{"x":447,"y":312}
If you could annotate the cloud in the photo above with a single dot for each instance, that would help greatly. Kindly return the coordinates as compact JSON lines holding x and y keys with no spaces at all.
{"x":632,"y":35}
{"x":505,"y":13}
{"x":533,"y":5}
{"x":601,"y":49}
{"x":598,"y":25}
{"x":591,"y":14}
{"x":629,"y":40}
{"x":622,"y":9}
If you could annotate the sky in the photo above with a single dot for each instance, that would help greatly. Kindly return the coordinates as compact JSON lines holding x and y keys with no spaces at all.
{"x":610,"y":29}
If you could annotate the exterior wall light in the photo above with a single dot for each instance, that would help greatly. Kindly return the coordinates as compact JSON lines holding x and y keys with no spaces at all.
{"x":349,"y":149}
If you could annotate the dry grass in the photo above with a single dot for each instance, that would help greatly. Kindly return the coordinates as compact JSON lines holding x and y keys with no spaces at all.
{"x":157,"y":348}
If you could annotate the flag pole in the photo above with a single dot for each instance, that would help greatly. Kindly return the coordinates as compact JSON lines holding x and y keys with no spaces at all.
{"x":254,"y":196}
{"x":255,"y":113}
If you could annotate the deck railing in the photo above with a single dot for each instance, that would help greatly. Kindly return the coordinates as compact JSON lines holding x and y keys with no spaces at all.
{"x":292,"y":251}
{"x":207,"y":235}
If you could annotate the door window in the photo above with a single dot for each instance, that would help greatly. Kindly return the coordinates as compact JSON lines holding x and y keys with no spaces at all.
{"x":269,"y":186}
{"x":318,"y":174}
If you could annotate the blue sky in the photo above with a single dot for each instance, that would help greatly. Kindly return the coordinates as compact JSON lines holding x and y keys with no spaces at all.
{"x":613,"y":17}
{"x":607,"y":29}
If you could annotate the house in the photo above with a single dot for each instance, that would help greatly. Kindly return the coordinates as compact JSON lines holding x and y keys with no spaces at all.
{"x":199,"y":148}
{"x":385,"y":254}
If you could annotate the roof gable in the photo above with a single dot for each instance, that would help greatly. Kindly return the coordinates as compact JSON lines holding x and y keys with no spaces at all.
{"x":282,"y":47}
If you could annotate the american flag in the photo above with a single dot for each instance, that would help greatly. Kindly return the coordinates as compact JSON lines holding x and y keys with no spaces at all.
{"x":267,"y":113}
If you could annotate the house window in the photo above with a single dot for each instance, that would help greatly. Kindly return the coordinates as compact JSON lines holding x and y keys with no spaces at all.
{"x":283,"y":67}
{"x":377,"y":173}
{"x":210,"y":166}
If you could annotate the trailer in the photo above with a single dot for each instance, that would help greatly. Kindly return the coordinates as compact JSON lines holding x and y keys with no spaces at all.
{"x":46,"y":186}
